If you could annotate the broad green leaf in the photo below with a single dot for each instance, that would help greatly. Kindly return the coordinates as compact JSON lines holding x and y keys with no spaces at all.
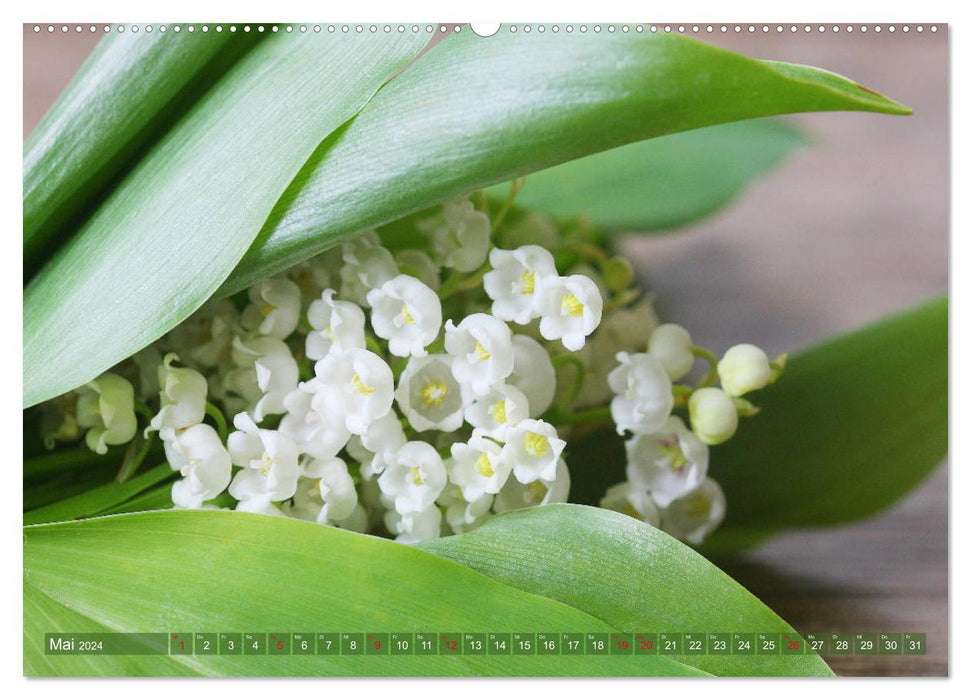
{"x":99,"y":499}
{"x":627,"y":574}
{"x":222,"y":571}
{"x":659,"y":183}
{"x":178,"y":223}
{"x":473,"y":112}
{"x":851,"y":427}
{"x":130,"y":85}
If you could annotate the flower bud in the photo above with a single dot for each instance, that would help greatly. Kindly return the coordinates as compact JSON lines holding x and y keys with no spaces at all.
{"x":714,"y":417}
{"x":670,"y":344}
{"x":618,"y":273}
{"x":744,"y":368}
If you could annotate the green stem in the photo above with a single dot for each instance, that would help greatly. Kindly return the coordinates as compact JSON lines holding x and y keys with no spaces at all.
{"x":458,"y":282}
{"x":145,"y":411}
{"x":578,"y":378}
{"x":514,"y":189}
{"x":373,"y":345}
{"x":707,"y":356}
{"x":133,"y":459}
{"x":219,"y":419}
{"x":79,"y":456}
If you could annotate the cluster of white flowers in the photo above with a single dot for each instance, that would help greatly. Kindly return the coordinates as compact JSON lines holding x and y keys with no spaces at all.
{"x":417,"y":392}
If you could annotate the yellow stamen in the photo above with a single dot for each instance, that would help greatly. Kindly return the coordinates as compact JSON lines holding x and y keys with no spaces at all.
{"x":416,"y":476}
{"x":481,"y":353}
{"x":672,"y":450}
{"x":406,"y":315}
{"x":697,"y":506}
{"x":330,"y":333}
{"x":536,"y":445}
{"x":266,"y":309}
{"x":434,"y":393}
{"x":266,"y":464}
{"x":361,"y":386}
{"x":498,"y":411}
{"x":538,"y":489}
{"x":571,"y":305}
{"x":484,"y":465}
{"x":527,"y":283}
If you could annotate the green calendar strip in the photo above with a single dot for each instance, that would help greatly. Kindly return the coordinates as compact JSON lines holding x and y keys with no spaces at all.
{"x":487,"y":643}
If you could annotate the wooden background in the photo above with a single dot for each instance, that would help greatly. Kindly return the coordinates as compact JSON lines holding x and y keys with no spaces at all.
{"x":852,"y":228}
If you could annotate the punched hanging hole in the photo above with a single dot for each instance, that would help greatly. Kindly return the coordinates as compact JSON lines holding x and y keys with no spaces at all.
{"x":485,"y":29}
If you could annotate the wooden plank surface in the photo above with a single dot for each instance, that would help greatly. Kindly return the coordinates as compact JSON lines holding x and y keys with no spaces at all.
{"x":851,"y":229}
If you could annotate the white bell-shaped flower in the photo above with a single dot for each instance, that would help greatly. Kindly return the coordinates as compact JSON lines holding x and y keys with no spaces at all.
{"x":415,"y":479}
{"x":477,"y":467}
{"x":744,"y":368}
{"x":482,"y":347}
{"x":356,"y":387}
{"x":265,"y":372}
{"x":274,"y":308}
{"x":637,"y":503}
{"x":269,"y":461}
{"x":418,"y":263}
{"x":182,"y":397}
{"x":205,"y":339}
{"x":106,"y":408}
{"x":693,"y":517}
{"x":379,"y":444}
{"x":643,"y":398}
{"x":200,"y":456}
{"x":669,"y":463}
{"x":533,"y":374}
{"x":533,"y":449}
{"x":429,"y":394}
{"x":411,"y":528}
{"x":406,"y":313}
{"x":571,"y":308}
{"x":463,"y":515}
{"x":670,"y":344}
{"x":367,"y":265}
{"x":494,"y":414}
{"x":714,"y":417}
{"x":311,"y":432}
{"x":261,"y":504}
{"x":338,"y":326}
{"x":515,"y":281}
{"x":515,"y":495}
{"x":460,"y":238}
{"x":336,"y":489}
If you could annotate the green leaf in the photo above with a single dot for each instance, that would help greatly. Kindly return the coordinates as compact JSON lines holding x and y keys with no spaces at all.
{"x":626,"y":573}
{"x":473,"y":112}
{"x":128,"y":88}
{"x":225,"y":571}
{"x":98,"y":499}
{"x":660,"y":183}
{"x":851,"y":427}
{"x":175,"y":227}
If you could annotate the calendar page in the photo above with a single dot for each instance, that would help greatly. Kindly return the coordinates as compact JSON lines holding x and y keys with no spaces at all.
{"x":518,"y":349}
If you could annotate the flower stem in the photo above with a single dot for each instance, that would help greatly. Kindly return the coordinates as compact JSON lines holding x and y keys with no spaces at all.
{"x":219,"y":419}
{"x":580,"y":374}
{"x":134,"y":458}
{"x":514,"y":188}
{"x":707,"y":356}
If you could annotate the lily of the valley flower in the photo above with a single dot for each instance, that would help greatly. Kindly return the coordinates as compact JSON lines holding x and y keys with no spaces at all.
{"x":460,"y":238}
{"x":379,"y":443}
{"x":670,"y":344}
{"x":200,"y":456}
{"x":414,"y":527}
{"x":669,"y":463}
{"x":482,"y":347}
{"x":406,"y":313}
{"x":533,"y":450}
{"x":502,"y":408}
{"x":356,"y":388}
{"x":477,"y":467}
{"x":429,"y":394}
{"x":106,"y":408}
{"x":337,"y":326}
{"x":533,"y":374}
{"x":269,"y":461}
{"x":571,"y":308}
{"x":182,"y":396}
{"x":367,"y":265}
{"x":274,"y":308}
{"x":311,"y":432}
{"x":461,"y":514}
{"x":336,"y":489}
{"x":637,"y":503}
{"x":714,"y":417}
{"x":744,"y":368}
{"x":695,"y":516}
{"x":418,"y":263}
{"x":515,"y":495}
{"x":265,"y":373}
{"x":643,"y":398}
{"x":415,"y":479}
{"x":516,"y":280}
